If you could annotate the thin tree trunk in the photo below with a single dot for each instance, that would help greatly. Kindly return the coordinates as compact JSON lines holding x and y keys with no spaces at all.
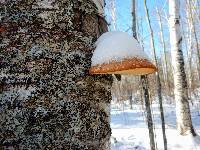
{"x":184,"y":122}
{"x":134,"y":30}
{"x":144,"y":82}
{"x":158,"y":83}
{"x":112,"y":5}
{"x":193,"y":28}
{"x":195,"y":7}
{"x":145,"y":87}
{"x":188,"y":46}
{"x":48,"y":99}
{"x":130,"y":99}
{"x":167,"y":81}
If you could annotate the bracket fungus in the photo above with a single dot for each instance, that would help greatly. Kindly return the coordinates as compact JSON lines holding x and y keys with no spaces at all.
{"x":119,"y":53}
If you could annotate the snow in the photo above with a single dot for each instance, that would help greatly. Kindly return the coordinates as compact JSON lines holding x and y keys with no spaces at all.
{"x":129,"y":129}
{"x":116,"y":46}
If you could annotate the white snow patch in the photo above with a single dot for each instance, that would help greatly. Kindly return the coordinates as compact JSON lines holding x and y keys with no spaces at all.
{"x":116,"y":46}
{"x":129,"y":129}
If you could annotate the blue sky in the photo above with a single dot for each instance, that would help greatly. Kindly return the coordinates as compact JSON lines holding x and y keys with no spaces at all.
{"x":124,"y":20}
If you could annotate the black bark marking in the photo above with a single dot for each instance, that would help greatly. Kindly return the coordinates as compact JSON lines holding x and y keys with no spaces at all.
{"x":177,"y":21}
{"x":180,"y":40}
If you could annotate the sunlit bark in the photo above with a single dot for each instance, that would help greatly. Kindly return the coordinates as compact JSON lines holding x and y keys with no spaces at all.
{"x":184,"y":122}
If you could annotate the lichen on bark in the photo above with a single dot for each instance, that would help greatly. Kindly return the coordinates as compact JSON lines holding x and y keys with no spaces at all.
{"x":47,"y":98}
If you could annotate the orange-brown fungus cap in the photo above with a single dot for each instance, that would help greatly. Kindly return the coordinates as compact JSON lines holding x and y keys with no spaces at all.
{"x":134,"y":66}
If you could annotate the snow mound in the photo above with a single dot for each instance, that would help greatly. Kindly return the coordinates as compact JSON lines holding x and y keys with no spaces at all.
{"x":130,"y":131}
{"x":116,"y":46}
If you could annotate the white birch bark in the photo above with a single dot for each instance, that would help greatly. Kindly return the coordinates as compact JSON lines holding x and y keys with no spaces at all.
{"x":193,"y":33}
{"x":112,"y":9}
{"x":184,"y":122}
{"x":187,"y":37}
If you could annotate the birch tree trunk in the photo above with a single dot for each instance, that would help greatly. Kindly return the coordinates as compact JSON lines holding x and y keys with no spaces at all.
{"x":195,"y":7}
{"x":48,"y":100}
{"x":145,"y":88}
{"x":187,"y":37}
{"x":194,"y":33}
{"x":158,"y":82}
{"x":184,"y":122}
{"x":113,"y":14}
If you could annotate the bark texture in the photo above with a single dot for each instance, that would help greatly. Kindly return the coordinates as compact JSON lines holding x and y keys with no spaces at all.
{"x":47,"y":98}
{"x":184,"y":122}
{"x":144,"y":81}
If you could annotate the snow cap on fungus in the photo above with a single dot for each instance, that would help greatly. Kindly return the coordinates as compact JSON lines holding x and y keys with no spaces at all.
{"x":119,"y":53}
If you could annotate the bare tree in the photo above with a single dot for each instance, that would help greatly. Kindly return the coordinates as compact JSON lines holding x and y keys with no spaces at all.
{"x":144,"y":82}
{"x":158,"y":82}
{"x":194,"y":7}
{"x":193,"y":33}
{"x":184,"y":122}
{"x":187,"y":41}
{"x":145,"y":87}
{"x":165,"y":62}
{"x":112,"y":10}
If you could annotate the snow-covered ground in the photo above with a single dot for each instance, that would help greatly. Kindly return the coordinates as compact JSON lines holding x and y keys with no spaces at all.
{"x":130,"y":132}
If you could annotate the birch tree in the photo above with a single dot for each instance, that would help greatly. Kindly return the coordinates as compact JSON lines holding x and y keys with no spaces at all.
{"x":48,"y":100}
{"x":145,"y":87}
{"x":193,"y":33}
{"x":184,"y":122}
{"x":194,"y":7}
{"x":112,"y":9}
{"x":158,"y":82}
{"x":187,"y":38}
{"x":165,"y":62}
